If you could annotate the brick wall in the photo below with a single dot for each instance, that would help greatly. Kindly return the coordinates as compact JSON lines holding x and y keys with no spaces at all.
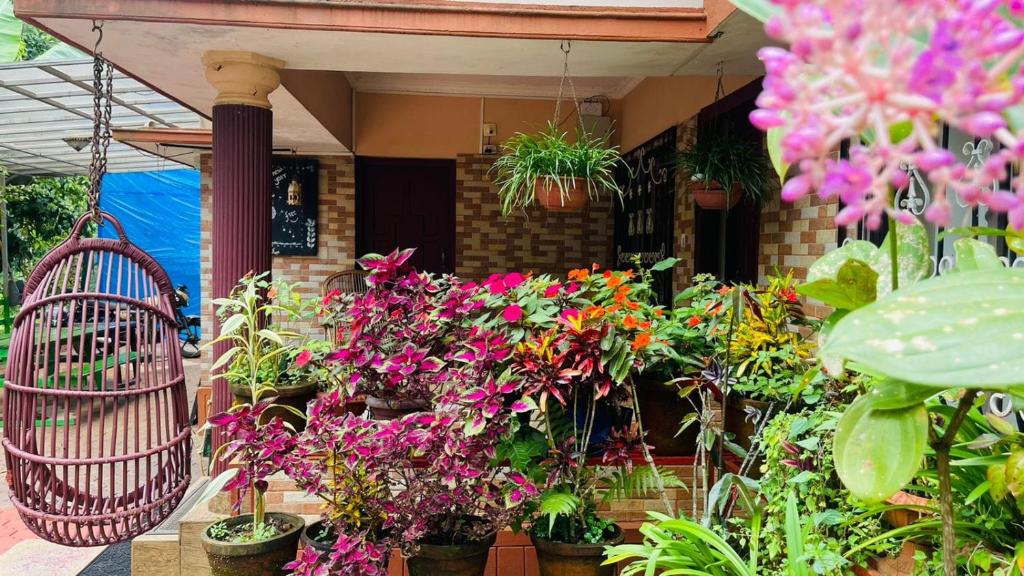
{"x":540,"y":240}
{"x":793,"y":236}
{"x":685,"y":213}
{"x":336,"y":236}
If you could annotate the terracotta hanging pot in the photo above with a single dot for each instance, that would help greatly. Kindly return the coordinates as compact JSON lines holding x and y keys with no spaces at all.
{"x":562,"y":559}
{"x":712,"y":196}
{"x":550,"y":196}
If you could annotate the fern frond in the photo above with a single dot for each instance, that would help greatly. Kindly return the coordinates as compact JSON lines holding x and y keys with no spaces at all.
{"x":640,"y":482}
{"x":555,"y":504}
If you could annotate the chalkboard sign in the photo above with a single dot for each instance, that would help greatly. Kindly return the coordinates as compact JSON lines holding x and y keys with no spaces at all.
{"x":645,"y":220}
{"x":293,"y":229}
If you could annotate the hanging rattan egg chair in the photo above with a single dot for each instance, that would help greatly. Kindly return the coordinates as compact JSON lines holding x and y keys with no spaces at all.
{"x":96,"y":432}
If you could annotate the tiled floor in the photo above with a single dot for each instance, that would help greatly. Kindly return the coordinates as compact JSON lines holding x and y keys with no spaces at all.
{"x":22,"y":553}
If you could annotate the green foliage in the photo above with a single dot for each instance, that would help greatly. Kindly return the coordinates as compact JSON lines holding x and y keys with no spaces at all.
{"x":728,"y":159}
{"x":638,"y":482}
{"x":878,"y":451}
{"x":842,"y":278}
{"x":957,"y":330}
{"x":37,"y":42}
{"x":915,"y":264}
{"x":761,"y":10}
{"x":40,"y":214}
{"x":798,"y":459}
{"x":548,"y":156}
{"x":10,"y":33}
{"x":555,"y":504}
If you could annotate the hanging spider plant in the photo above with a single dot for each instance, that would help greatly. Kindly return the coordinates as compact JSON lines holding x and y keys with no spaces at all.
{"x":547,"y":168}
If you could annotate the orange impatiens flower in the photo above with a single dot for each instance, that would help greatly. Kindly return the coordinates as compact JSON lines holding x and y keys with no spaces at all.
{"x":724,"y":290}
{"x":630,"y":323}
{"x":645,"y":325}
{"x":693,"y":321}
{"x":628,"y":274}
{"x":620,"y":297}
{"x":594,"y":312}
{"x":632,"y":305}
{"x":614,"y":281}
{"x":642,"y":340}
{"x":659,"y":312}
{"x":613,"y":308}
{"x":579,"y":274}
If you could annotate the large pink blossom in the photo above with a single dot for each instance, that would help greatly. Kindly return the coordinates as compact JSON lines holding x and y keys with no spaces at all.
{"x":889,"y":74}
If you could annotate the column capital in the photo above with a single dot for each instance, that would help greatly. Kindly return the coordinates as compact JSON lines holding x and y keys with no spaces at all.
{"x":242,"y":77}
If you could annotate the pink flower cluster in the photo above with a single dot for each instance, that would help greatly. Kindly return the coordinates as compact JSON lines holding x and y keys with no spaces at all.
{"x":886,"y":76}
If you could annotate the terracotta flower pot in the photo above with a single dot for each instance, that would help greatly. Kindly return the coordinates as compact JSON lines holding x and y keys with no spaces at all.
{"x":550,"y":197}
{"x":296,"y":396}
{"x":561,"y":559}
{"x":460,"y":560}
{"x":263,"y":558}
{"x":382,"y":409}
{"x":713,"y":197}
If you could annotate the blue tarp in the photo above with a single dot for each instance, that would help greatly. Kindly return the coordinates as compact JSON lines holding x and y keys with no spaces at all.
{"x":160,"y":214}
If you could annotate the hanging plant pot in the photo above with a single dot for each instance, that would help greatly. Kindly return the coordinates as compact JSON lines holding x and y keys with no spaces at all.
{"x":713,"y":197}
{"x":319,"y":536}
{"x":263,"y":558}
{"x":551,"y":197}
{"x":458,"y":560}
{"x":562,"y":559}
{"x":382,"y":409}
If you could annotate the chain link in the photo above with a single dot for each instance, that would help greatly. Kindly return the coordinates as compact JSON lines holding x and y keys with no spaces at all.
{"x":102,"y":94}
{"x":566,"y":47}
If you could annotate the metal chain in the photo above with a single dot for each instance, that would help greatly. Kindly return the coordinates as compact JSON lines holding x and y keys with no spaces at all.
{"x":566,"y":47}
{"x":102,"y":93}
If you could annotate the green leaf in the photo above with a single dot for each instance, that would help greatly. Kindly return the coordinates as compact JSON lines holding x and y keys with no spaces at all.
{"x":664,"y":264}
{"x":10,"y":33}
{"x":974,"y":255}
{"x":953,"y":331}
{"x":555,"y":504}
{"x":828,"y":265}
{"x":226,"y":357}
{"x":274,"y":337}
{"x":761,"y":10}
{"x":894,"y":394}
{"x":853,"y":286}
{"x":878,"y":451}
{"x":996,"y":475}
{"x":915,"y":263}
{"x":773,"y":140}
{"x":233,"y":323}
{"x":214,"y":487}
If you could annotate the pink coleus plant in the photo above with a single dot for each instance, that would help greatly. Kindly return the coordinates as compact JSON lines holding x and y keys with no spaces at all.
{"x":889,"y":74}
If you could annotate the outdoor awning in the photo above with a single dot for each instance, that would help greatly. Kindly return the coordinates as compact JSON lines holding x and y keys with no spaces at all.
{"x":46,"y":106}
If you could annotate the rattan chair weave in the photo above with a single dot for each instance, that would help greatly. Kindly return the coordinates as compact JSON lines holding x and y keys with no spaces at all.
{"x":96,"y":432}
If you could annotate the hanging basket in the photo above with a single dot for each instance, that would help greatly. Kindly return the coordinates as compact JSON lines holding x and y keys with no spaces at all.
{"x":96,"y":429}
{"x":550,"y":196}
{"x":712,"y":196}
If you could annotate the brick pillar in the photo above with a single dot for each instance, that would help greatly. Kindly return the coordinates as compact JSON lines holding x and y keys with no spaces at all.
{"x":242,"y":152}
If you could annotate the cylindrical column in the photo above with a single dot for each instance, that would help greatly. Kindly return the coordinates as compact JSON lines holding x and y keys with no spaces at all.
{"x":242,"y":154}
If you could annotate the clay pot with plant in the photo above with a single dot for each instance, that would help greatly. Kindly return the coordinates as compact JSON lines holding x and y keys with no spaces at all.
{"x":725,"y":168}
{"x":260,"y":542}
{"x":266,"y":360}
{"x":548,"y":169}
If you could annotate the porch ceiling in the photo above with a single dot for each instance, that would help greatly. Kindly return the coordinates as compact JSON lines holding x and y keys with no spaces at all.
{"x":167,"y":55}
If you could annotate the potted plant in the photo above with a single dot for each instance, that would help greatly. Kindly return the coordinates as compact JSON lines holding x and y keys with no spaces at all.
{"x":339,"y":459}
{"x":260,"y":542}
{"x":281,"y":370}
{"x":393,"y":338}
{"x":724,"y":168}
{"x":581,"y":342}
{"x":549,"y":169}
{"x":766,"y":356}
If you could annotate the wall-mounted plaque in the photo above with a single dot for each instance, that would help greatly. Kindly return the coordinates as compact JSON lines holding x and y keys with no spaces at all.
{"x":293,"y":225}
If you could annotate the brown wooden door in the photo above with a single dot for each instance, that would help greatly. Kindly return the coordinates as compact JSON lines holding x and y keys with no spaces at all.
{"x":407,"y":203}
